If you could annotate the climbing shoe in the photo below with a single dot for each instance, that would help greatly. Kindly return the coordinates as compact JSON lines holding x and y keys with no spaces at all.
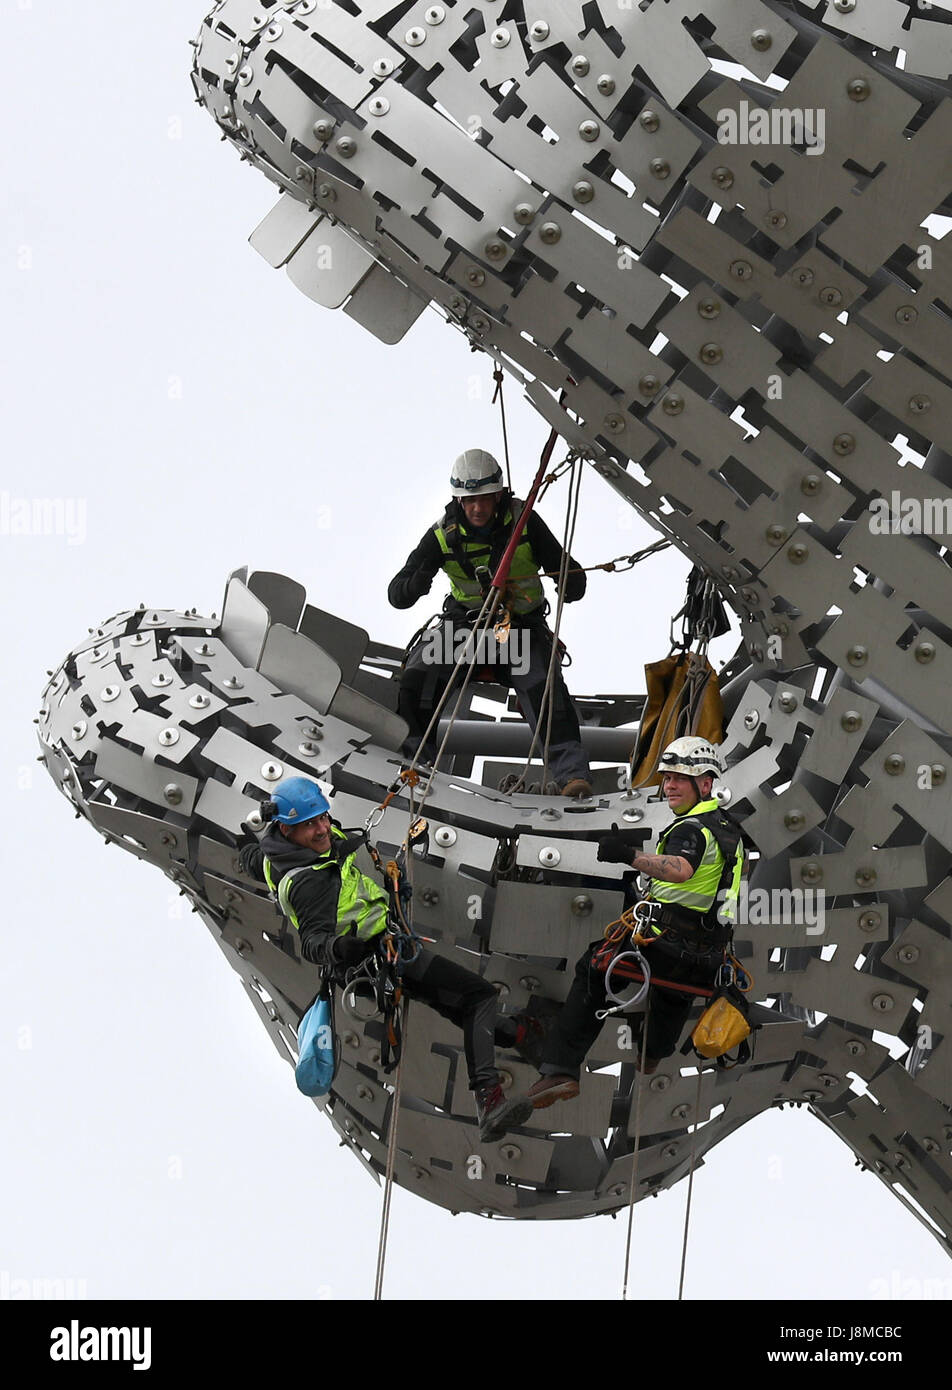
{"x":496,"y":1115}
{"x":578,"y":787}
{"x":549,"y":1089}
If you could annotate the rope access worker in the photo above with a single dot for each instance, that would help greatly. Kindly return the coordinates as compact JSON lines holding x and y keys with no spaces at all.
{"x":308,"y":862}
{"x":688,"y":910}
{"x":468,"y":544}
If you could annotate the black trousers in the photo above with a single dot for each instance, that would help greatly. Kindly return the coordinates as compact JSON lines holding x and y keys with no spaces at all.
{"x":522,"y":663}
{"x":467,"y":1000}
{"x":576,"y":1027}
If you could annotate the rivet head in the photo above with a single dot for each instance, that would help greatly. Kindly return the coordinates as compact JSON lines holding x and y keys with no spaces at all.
{"x":346,"y":147}
{"x":615,"y":424}
{"x":865,"y":875}
{"x":350,"y":1039}
{"x":232,"y":683}
{"x":870,"y":920}
{"x":173,"y":793}
{"x":803,"y":275}
{"x":500,"y":38}
{"x":895,"y":764}
{"x":445,"y":836}
{"x":659,"y":1083}
{"x":523,"y":213}
{"x":530,"y":983}
{"x":930,"y":1145}
{"x":415,"y":36}
{"x":78,"y":730}
{"x":168,"y":736}
{"x":580,"y":65}
{"x":649,"y":384}
{"x":649,"y":121}
{"x":794,"y":820}
{"x":505,"y":1078}
{"x":797,"y":553}
{"x":844,"y":444}
{"x":581,"y":905}
{"x":273,"y":31}
{"x":435,"y":14}
{"x":723,"y":795}
{"x":272,"y":772}
{"x":830,"y":296}
{"x":364,"y":1093}
{"x":811,"y":872}
{"x":672,"y":404}
{"x":722,"y":176}
{"x":787,"y":701}
{"x":883,"y":1003}
{"x":550,"y":233}
{"x":110,"y":693}
{"x":851,"y":721}
{"x":858,"y":89}
{"x":750,"y":597}
{"x":711,"y":353}
{"x":844,"y":6}
{"x":510,"y":1152}
{"x":549,"y":856}
{"x":938,"y":774}
{"x":475,"y":277}
{"x":255,"y":819}
{"x":776,"y":534}
{"x":751,"y":719}
{"x":199,"y":700}
{"x":495,"y":250}
{"x":906,"y":313}
{"x":812,"y":1095}
{"x":680,"y":1112}
{"x":378,"y":106}
{"x":308,"y":750}
{"x":857,"y":655}
{"x":633,"y":814}
{"x":421,"y":1174}
{"x":709,"y":307}
{"x":323,"y":130}
{"x":606,"y":84}
{"x":908,"y":954}
{"x":810,"y":484}
{"x":583,"y":191}
{"x":855,"y":1048}
{"x":539,"y":31}
{"x":919,"y":404}
{"x":669,"y":1151}
{"x":479,"y":326}
{"x":590,"y":130}
{"x":741,"y":270}
{"x":924,"y":651}
{"x":660,"y":168}
{"x":383,"y":67}
{"x":245,"y":75}
{"x":776,"y":218}
{"x":761,"y":39}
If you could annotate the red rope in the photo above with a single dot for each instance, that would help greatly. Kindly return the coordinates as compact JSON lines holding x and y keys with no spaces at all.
{"x":500,"y":578}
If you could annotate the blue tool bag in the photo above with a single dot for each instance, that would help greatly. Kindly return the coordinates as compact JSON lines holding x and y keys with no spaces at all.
{"x":316,"y":1061}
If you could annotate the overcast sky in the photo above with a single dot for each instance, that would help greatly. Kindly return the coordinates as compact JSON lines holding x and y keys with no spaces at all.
{"x":189,"y":412}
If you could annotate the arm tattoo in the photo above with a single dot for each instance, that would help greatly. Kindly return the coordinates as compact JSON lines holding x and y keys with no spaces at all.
{"x":668,"y":867}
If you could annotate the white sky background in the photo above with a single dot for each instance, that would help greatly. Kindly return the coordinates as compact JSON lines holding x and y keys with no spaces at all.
{"x":205,"y":415}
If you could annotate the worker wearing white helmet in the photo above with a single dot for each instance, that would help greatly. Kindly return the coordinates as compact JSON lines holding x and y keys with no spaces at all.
{"x":692,"y":884}
{"x":467,"y":544}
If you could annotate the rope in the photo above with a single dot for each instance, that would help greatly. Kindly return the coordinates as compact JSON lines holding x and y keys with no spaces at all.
{"x":635,"y":1153}
{"x":499,"y":377}
{"x":391,"y":1159}
{"x":687,"y":1211}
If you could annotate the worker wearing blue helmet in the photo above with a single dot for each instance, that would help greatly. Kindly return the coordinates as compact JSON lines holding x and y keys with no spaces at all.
{"x":309,"y":864}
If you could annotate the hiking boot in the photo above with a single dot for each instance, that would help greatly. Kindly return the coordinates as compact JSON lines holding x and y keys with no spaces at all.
{"x":549,"y":1089}
{"x":578,"y":787}
{"x":496,"y":1115}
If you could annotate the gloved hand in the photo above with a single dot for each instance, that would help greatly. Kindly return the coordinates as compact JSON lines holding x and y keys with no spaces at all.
{"x":347,"y":950}
{"x":615,"y":849}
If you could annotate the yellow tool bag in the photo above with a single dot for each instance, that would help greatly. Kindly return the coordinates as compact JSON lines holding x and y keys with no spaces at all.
{"x":683,"y":698}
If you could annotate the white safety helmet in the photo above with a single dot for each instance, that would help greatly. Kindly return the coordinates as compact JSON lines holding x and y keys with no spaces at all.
{"x":690,"y":756}
{"x":475,"y":474}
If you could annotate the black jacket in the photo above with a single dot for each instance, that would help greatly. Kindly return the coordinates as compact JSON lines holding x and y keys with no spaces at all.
{"x":313,"y":896}
{"x":423,"y":563}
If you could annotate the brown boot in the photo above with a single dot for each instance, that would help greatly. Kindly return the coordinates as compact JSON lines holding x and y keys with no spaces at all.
{"x":549,"y":1089}
{"x":578,"y":787}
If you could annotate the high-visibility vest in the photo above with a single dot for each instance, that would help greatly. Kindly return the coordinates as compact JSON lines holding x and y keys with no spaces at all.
{"x":361,"y":904}
{"x":524,"y":590}
{"x":720,"y":868}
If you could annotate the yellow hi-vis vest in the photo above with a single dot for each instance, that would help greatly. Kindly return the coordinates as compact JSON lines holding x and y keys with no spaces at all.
{"x":361,"y":905}
{"x":699,"y":893}
{"x":524,"y":590}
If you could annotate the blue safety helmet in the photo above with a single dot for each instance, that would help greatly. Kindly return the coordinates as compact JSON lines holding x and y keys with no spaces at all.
{"x":294,"y":801}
